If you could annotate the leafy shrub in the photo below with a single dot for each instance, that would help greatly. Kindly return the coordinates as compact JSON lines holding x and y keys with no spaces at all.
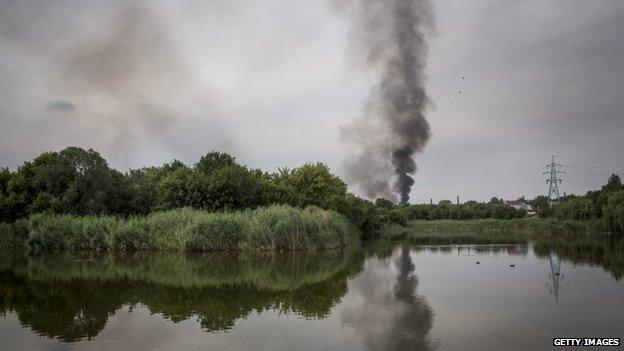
{"x":13,"y":235}
{"x":574,"y":209}
{"x":614,"y":212}
{"x":278,"y":227}
{"x":217,"y":232}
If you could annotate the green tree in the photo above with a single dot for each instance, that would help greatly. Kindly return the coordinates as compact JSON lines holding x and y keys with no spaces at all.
{"x":5,"y":177}
{"x":542,"y":205}
{"x":363,"y":214}
{"x":213,"y":161}
{"x":495,"y":200}
{"x":613,"y":184}
{"x":614,"y":212}
{"x":229,"y":187}
{"x":139,"y":192}
{"x":314,"y":184}
{"x":173,"y":189}
{"x":73,"y":180}
{"x":575,"y":208}
{"x":384,"y":203}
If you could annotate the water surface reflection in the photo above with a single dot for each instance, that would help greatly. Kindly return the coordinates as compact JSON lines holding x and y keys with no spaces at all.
{"x":384,"y":296}
{"x":385,"y":308}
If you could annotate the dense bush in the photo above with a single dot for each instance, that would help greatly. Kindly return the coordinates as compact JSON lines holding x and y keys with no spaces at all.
{"x":363,"y":214}
{"x":14,"y":235}
{"x":602,"y":210}
{"x":61,"y":232}
{"x":79,"y":182}
{"x":279,"y":227}
{"x":614,"y":212}
{"x":574,"y":209}
{"x":287,"y":228}
{"x":471,"y":210}
{"x":217,"y":232}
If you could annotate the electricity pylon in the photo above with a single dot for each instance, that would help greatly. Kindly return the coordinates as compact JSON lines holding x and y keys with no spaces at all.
{"x":553,"y":190}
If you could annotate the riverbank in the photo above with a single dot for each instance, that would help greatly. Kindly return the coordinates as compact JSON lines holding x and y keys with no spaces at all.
{"x":489,"y":230}
{"x":273,"y":228}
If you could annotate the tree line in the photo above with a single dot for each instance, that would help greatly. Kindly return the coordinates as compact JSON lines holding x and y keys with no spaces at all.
{"x":445,"y":209}
{"x":80,"y":182}
{"x":606,"y":204}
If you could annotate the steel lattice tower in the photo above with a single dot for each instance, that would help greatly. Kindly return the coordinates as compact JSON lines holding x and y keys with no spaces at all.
{"x":553,"y":190}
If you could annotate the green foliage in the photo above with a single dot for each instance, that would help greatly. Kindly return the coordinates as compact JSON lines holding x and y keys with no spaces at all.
{"x":13,"y":236}
{"x":72,"y":181}
{"x":230,"y":188}
{"x":495,"y":200}
{"x":529,"y":225}
{"x":74,"y":294}
{"x":363,"y":214}
{"x":384,"y":203}
{"x":574,"y":208}
{"x":564,"y":216}
{"x":614,"y":212}
{"x":77,"y":181}
{"x":5,"y":177}
{"x":45,"y":203}
{"x":446,"y":210}
{"x":278,"y":227}
{"x":139,"y":192}
{"x":542,"y":206}
{"x":217,"y":232}
{"x":613,"y":184}
{"x":173,"y":190}
{"x":214,"y":161}
{"x":314,"y":184}
{"x":398,"y":216}
{"x":286,"y":228}
{"x":67,"y":232}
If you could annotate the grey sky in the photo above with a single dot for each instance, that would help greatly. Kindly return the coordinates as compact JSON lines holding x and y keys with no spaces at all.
{"x":272,"y":82}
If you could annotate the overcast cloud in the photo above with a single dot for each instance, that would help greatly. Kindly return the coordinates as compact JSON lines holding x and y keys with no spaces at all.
{"x":512,"y":82}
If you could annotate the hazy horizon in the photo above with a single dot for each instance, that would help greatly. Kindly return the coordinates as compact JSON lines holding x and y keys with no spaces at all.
{"x":510,"y":85}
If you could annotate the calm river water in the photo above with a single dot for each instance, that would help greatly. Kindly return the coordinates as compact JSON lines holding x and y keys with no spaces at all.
{"x":382,"y":296}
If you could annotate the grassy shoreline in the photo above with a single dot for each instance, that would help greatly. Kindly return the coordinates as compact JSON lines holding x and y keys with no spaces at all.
{"x":273,"y":228}
{"x":490,"y":230}
{"x":519,"y":225}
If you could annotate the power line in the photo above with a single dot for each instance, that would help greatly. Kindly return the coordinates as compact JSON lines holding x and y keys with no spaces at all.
{"x":598,"y":156}
{"x":578,"y":183}
{"x":610,"y":166}
{"x":587,"y":175}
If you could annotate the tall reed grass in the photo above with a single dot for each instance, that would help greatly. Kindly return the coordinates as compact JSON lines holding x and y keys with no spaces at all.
{"x":531,"y":225}
{"x":274,"y":228}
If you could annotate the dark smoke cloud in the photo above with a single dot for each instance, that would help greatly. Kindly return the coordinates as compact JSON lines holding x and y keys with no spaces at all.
{"x":392,"y":36}
{"x":61,"y":105}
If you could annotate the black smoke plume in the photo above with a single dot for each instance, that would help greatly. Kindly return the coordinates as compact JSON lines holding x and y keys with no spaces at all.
{"x":392,"y":36}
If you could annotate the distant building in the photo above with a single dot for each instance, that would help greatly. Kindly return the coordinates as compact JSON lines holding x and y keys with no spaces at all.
{"x":521,"y":204}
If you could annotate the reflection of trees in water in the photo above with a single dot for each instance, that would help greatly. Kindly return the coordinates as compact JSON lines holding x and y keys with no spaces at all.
{"x":385,"y":308}
{"x":77,"y":307}
{"x":604,"y":251}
